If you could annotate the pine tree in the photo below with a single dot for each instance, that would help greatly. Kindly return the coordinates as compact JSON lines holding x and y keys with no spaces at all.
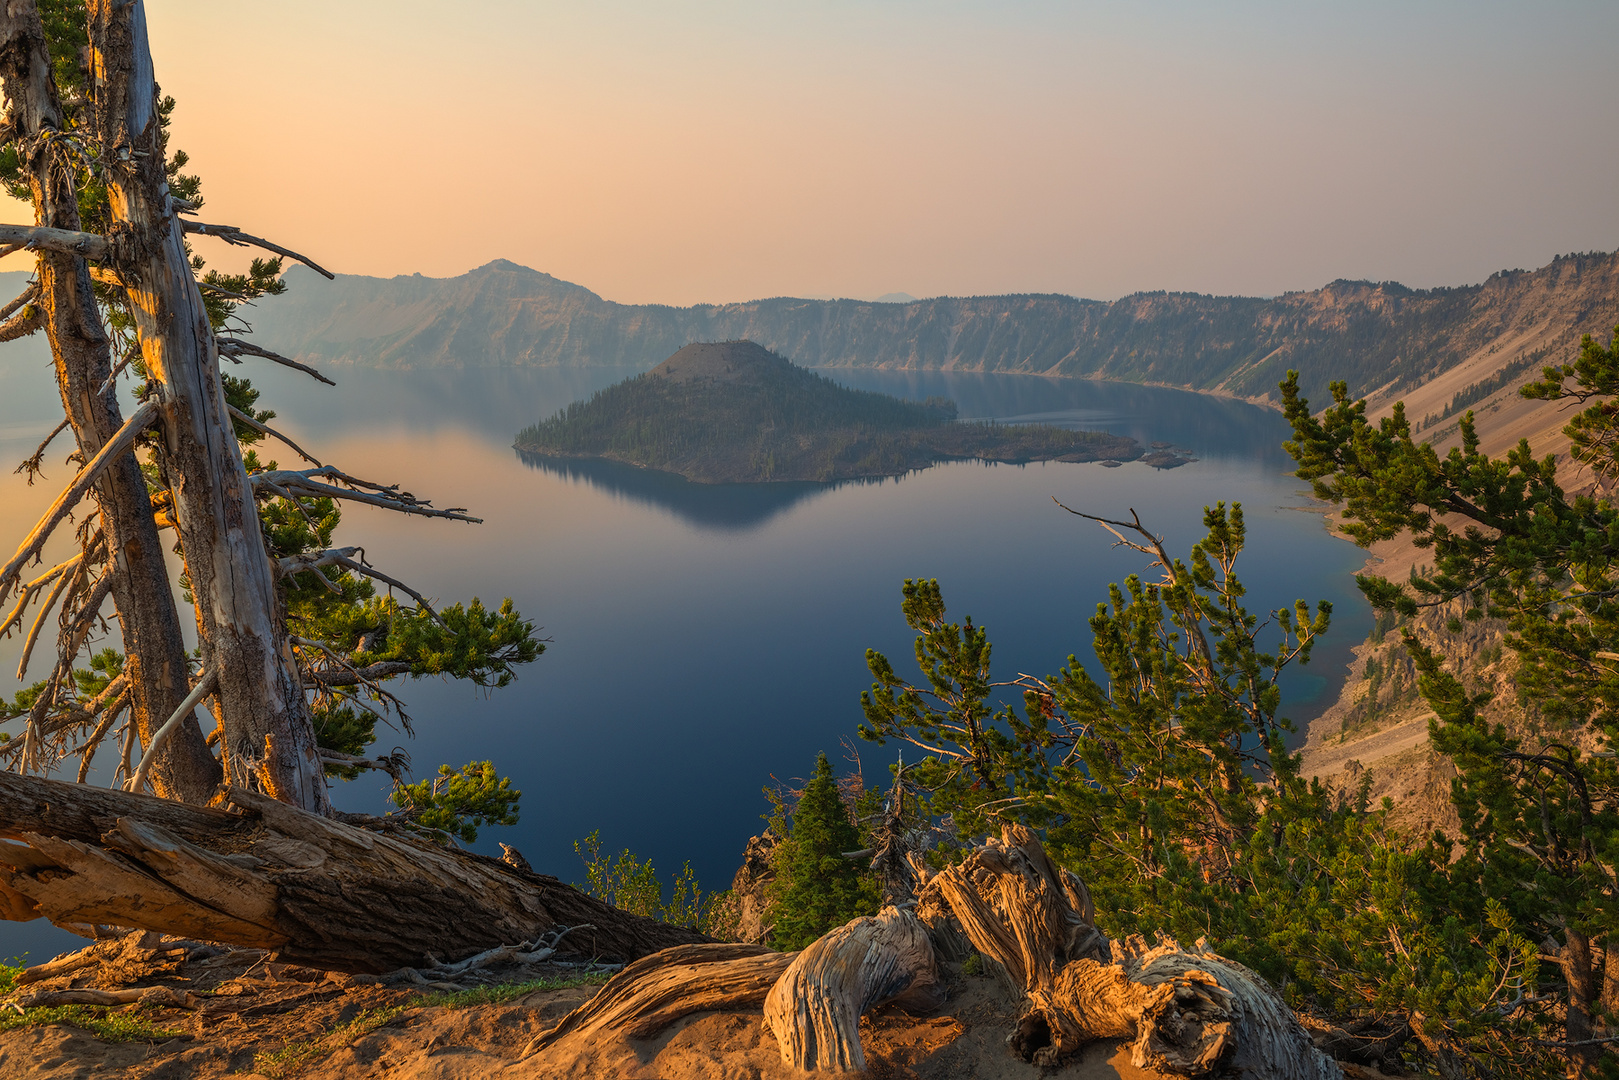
{"x":295,"y":640}
{"x":1539,"y":806}
{"x":816,"y":888}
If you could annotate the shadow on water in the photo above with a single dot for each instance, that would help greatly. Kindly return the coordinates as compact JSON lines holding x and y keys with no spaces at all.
{"x":722,"y":507}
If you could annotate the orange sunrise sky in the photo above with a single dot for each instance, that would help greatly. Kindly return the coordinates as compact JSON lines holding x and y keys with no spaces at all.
{"x":688,"y":152}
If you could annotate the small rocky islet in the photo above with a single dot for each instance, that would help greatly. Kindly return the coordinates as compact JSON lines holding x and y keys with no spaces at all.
{"x":735,"y":412}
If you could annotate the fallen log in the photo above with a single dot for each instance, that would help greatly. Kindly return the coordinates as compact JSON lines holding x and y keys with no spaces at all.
{"x":144,"y":995}
{"x":266,"y":875}
{"x":815,"y":1007}
{"x":1190,"y":1012}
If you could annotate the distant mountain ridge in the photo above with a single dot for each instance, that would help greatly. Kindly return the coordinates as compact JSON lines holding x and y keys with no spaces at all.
{"x":1374,"y":335}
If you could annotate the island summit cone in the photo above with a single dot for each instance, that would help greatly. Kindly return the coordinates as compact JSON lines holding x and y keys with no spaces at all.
{"x":735,"y":412}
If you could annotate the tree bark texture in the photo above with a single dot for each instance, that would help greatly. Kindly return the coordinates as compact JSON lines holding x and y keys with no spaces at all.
{"x":655,"y":991}
{"x":154,"y":648}
{"x":269,"y":739}
{"x":317,"y":891}
{"x":1190,"y":1012}
{"x":814,"y":1009}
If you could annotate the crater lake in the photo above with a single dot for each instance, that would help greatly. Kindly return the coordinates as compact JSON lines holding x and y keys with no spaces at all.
{"x":708,"y":640}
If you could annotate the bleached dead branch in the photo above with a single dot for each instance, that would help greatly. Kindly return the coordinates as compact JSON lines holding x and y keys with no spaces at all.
{"x":295,"y":483}
{"x":67,"y":241}
{"x":344,"y":557}
{"x":263,"y":429}
{"x":234,"y":348}
{"x":232,"y":235}
{"x":120,"y":442}
{"x":204,"y":687}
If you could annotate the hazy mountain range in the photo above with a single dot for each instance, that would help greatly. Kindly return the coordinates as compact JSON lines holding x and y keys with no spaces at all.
{"x":1374,"y":335}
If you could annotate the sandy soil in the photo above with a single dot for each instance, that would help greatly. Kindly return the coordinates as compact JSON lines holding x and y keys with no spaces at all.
{"x":256,"y":1020}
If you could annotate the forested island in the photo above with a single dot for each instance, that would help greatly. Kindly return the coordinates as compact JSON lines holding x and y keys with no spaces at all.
{"x":735,"y":412}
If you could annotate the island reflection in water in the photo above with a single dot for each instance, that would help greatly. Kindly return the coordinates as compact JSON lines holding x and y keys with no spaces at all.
{"x":723,"y":507}
{"x":1209,"y":427}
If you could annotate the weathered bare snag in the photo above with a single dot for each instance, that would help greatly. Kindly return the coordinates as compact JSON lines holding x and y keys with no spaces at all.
{"x":655,"y":991}
{"x":1190,"y":1011}
{"x":815,"y":1007}
{"x":317,"y":891}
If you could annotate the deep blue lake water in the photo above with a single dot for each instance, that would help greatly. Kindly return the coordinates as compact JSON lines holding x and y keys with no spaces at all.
{"x":708,"y":641}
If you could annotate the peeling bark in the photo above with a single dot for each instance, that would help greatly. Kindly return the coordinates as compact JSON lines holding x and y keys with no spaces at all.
{"x":269,"y":741}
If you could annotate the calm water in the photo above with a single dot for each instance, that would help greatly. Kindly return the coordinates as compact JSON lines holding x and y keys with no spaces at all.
{"x":709,"y":640}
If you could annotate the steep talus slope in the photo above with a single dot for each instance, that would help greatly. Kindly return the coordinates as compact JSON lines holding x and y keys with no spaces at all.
{"x":1373,"y":335}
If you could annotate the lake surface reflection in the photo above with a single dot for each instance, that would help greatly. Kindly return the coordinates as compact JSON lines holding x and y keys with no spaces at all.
{"x":710,"y":640}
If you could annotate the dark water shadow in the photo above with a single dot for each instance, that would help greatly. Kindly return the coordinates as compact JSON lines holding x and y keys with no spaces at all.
{"x":722,"y":507}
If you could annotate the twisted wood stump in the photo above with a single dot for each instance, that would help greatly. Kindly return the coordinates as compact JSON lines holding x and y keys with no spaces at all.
{"x":815,"y":1007}
{"x":1189,"y":1011}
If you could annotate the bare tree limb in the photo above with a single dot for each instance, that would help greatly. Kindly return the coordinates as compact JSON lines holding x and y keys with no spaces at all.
{"x":274,"y":434}
{"x":39,"y":620}
{"x":204,"y":687}
{"x":358,"y":676}
{"x":88,"y":751}
{"x":120,"y":442}
{"x":26,"y":296}
{"x":396,"y":764}
{"x":32,"y":588}
{"x":117,"y":370}
{"x":351,"y":675}
{"x":20,"y":325}
{"x":343,"y":557}
{"x":75,"y":631}
{"x":232,"y":235}
{"x":87,"y":245}
{"x":34,"y":465}
{"x":232,"y":348}
{"x":291,"y":484}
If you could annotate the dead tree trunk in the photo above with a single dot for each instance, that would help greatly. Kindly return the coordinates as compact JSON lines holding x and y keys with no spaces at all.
{"x":155,"y":663}
{"x":269,"y":740}
{"x":814,"y":1009}
{"x":316,"y":891}
{"x":1189,"y":1011}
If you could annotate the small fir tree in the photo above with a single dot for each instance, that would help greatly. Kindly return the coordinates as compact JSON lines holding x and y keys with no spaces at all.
{"x":816,"y":888}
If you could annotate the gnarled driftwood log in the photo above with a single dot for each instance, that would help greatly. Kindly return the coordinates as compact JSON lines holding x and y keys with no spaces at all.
{"x":815,"y":1007}
{"x":317,"y":891}
{"x":1189,"y":1011}
{"x":655,"y":991}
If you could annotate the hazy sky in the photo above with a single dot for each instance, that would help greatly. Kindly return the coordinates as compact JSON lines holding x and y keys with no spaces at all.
{"x":685,"y":152}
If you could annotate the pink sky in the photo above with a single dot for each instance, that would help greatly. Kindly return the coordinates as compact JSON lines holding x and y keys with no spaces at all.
{"x":680,"y":153}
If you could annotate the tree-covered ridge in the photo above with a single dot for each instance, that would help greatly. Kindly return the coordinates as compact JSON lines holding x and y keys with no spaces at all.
{"x":735,"y":412}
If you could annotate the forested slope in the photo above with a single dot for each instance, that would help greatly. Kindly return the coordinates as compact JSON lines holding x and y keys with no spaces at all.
{"x":733,"y":412}
{"x":1375,"y":335}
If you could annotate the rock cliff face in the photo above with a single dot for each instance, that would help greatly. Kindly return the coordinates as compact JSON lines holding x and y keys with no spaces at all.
{"x":1374,"y":335}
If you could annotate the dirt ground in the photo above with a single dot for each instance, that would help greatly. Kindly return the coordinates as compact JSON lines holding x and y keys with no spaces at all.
{"x":249,"y":1018}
